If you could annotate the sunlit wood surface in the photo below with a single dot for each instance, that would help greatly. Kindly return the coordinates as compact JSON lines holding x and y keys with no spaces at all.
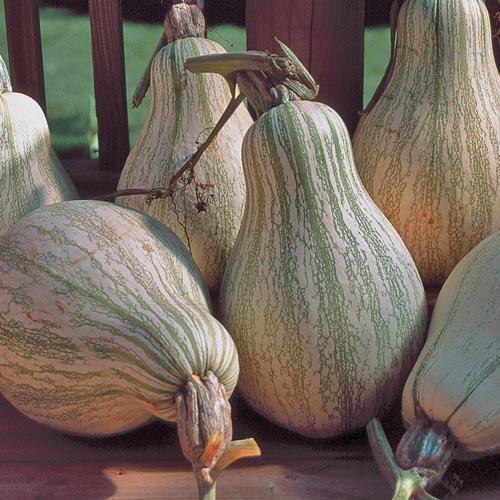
{"x":39,"y":463}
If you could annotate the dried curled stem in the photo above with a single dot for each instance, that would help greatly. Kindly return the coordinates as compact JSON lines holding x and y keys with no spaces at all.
{"x":145,"y":81}
{"x":268,"y":80}
{"x":184,"y":20}
{"x":205,"y":431}
{"x":159,"y":192}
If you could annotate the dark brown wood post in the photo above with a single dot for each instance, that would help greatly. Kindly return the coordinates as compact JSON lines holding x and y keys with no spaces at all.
{"x":328,"y":36}
{"x":109,"y":82}
{"x":494,"y":9}
{"x":25,"y":48}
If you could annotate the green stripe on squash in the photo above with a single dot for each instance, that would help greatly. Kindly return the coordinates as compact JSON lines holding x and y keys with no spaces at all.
{"x":99,"y":330}
{"x":320,"y":295}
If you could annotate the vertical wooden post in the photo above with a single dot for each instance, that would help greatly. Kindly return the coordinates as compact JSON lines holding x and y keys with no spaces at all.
{"x":25,"y":48}
{"x":494,"y":9}
{"x":109,"y":82}
{"x":328,"y":36}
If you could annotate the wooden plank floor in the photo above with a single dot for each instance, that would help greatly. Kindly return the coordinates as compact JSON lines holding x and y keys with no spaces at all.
{"x":38,"y":463}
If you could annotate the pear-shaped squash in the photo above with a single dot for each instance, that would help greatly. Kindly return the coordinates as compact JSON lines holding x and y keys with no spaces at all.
{"x":105,"y":324}
{"x":320,"y":295}
{"x":429,"y":150}
{"x":30,"y":173}
{"x":206,"y":210}
{"x":450,"y":400}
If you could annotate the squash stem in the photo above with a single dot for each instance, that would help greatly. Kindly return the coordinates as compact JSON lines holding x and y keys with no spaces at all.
{"x":244,"y":448}
{"x":189,"y":165}
{"x":409,"y":487}
{"x":206,"y":491}
{"x":267,"y":80}
{"x":203,"y":415}
{"x":184,"y":19}
{"x":408,"y":484}
{"x":230,"y":63}
{"x":145,"y":81}
{"x":427,"y":447}
{"x":382,"y":451}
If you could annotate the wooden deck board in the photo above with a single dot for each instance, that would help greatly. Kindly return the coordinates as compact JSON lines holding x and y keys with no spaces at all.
{"x":39,"y":463}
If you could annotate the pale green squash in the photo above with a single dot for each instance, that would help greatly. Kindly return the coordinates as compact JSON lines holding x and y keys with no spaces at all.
{"x":184,"y":109}
{"x":320,"y":295}
{"x":450,"y":400}
{"x":30,"y":173}
{"x":429,"y":150}
{"x":98,"y":329}
{"x":105,"y":324}
{"x":456,"y":379}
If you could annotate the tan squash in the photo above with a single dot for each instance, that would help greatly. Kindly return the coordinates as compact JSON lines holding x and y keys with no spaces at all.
{"x":428,"y":151}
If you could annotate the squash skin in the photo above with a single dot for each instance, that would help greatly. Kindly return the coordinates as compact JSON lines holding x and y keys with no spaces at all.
{"x":429,"y":151}
{"x":30,"y":173}
{"x":461,"y":355}
{"x":320,"y":295}
{"x":99,"y":330}
{"x":183,"y":110}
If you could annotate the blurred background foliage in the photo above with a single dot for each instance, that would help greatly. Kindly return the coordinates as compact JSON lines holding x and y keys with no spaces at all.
{"x":68,"y":64}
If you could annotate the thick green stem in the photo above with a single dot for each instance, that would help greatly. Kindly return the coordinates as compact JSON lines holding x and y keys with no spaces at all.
{"x":203,"y":415}
{"x":382,"y":451}
{"x":407,"y":484}
{"x":267,"y":80}
{"x":228,"y":64}
{"x":206,"y":491}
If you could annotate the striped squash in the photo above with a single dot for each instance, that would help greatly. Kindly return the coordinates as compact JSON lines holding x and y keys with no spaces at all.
{"x":99,"y":330}
{"x":456,"y":379}
{"x":30,"y":173}
{"x":429,"y":150}
{"x":184,"y":109}
{"x":320,"y":295}
{"x":450,"y":400}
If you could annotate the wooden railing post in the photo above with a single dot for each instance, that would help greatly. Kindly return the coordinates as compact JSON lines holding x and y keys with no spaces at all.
{"x":25,"y":48}
{"x":109,"y":82}
{"x":494,"y":9}
{"x":328,"y":36}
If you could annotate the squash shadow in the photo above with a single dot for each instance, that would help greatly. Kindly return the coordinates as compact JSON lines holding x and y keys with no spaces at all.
{"x":37,"y":462}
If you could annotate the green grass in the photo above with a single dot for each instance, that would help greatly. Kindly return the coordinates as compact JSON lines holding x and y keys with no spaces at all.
{"x":377,"y":52}
{"x":68,"y":68}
